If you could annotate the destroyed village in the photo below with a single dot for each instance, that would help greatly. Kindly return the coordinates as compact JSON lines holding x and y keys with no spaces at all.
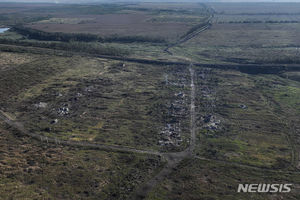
{"x":150,"y":100}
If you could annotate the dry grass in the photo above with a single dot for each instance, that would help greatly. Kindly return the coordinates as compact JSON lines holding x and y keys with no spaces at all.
{"x":8,"y":60}
{"x":33,"y":170}
{"x":121,"y":24}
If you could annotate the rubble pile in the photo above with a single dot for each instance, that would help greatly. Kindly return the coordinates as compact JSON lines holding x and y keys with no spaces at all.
{"x":181,"y":82}
{"x":209,"y":119}
{"x":211,"y":122}
{"x":64,"y":110}
{"x":170,"y":135}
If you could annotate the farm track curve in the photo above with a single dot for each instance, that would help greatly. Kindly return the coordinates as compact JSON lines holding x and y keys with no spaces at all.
{"x":172,"y":159}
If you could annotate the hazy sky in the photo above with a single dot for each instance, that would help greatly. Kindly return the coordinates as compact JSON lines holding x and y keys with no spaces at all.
{"x":89,"y":1}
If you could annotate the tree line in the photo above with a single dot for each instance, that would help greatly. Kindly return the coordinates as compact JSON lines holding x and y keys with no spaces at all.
{"x":259,"y":21}
{"x":73,"y":46}
{"x":80,"y":37}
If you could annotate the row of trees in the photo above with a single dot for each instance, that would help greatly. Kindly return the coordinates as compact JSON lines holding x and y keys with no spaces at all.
{"x":74,"y":46}
{"x":258,"y":21}
{"x":80,"y":37}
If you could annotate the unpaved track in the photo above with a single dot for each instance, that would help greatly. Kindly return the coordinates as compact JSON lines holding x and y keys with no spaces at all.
{"x":264,"y":68}
{"x":20,"y":127}
{"x":193,"y":113}
{"x":188,"y":37}
{"x":199,"y":30}
{"x":173,"y":159}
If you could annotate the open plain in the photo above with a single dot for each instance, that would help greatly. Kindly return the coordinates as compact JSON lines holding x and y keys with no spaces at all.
{"x":156,"y":101}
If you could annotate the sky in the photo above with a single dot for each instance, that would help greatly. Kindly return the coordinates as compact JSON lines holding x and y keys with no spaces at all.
{"x":106,"y":1}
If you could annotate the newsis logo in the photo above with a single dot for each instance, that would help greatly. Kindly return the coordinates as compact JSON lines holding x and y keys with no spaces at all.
{"x":265,"y":188}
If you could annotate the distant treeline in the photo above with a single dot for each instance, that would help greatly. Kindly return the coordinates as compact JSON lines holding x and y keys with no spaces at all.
{"x":80,"y":37}
{"x":130,"y":39}
{"x":266,"y":13}
{"x":73,"y":46}
{"x":258,"y":21}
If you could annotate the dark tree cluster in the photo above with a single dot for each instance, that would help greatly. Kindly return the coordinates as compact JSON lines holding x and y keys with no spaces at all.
{"x":80,"y":37}
{"x":258,"y":21}
{"x":57,"y":36}
{"x":70,"y":46}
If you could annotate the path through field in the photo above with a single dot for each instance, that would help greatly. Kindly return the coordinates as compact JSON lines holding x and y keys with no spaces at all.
{"x":173,"y":159}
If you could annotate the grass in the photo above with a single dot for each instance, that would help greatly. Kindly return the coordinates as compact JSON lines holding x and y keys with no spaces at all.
{"x":256,"y":135}
{"x":11,"y":35}
{"x":289,"y":96}
{"x":11,"y":59}
{"x":196,"y":179}
{"x":110,"y":102}
{"x":243,"y":43}
{"x":14,"y":80}
{"x":38,"y":171}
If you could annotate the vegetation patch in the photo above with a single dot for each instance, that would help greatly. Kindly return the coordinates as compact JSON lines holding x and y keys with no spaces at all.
{"x":194,"y":179}
{"x":37,"y":170}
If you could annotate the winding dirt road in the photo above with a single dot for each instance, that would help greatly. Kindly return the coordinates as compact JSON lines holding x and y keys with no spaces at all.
{"x":171,"y":159}
{"x":19,"y":126}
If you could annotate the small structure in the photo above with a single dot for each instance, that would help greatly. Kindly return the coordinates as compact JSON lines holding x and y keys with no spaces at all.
{"x":63,"y":110}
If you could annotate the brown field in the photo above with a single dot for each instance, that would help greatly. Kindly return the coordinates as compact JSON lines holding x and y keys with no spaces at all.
{"x":167,"y":5}
{"x":121,"y":24}
{"x":228,"y":18}
{"x":255,"y":8}
{"x":167,"y":21}
{"x":262,"y":12}
{"x":247,"y":35}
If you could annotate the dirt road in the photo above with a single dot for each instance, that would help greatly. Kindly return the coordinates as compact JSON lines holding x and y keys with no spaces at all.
{"x":173,"y":159}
